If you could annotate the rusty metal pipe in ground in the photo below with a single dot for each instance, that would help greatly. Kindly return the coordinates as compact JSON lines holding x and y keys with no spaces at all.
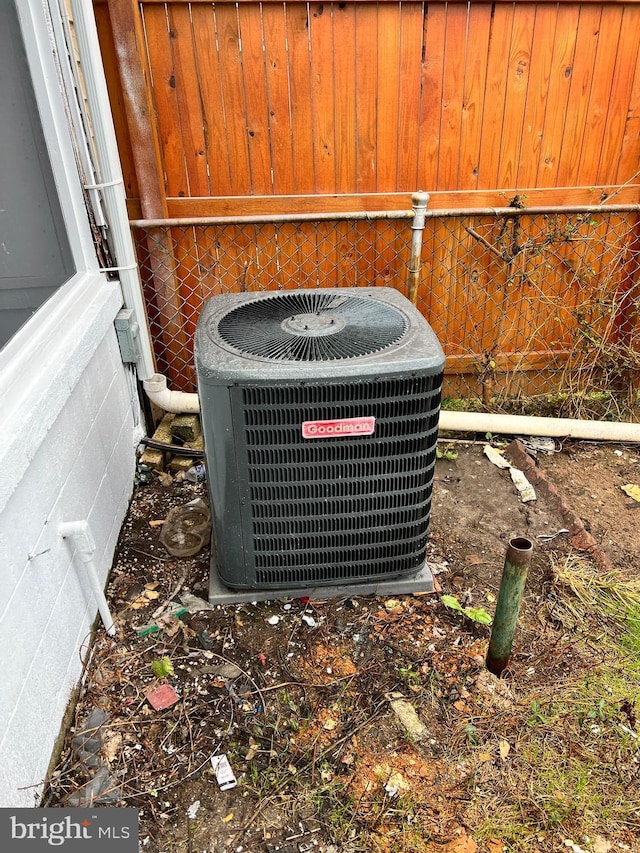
{"x":514,"y":577}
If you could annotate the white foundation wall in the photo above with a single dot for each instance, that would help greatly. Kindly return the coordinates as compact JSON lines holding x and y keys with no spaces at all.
{"x":82,"y":469}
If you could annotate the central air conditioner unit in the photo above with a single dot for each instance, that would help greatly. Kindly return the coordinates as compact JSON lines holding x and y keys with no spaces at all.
{"x":320,"y":411}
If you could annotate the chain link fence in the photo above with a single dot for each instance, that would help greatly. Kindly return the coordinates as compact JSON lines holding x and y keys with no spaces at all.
{"x":536,"y":310}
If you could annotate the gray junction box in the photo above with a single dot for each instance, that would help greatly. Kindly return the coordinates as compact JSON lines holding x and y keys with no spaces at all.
{"x":319,"y":410}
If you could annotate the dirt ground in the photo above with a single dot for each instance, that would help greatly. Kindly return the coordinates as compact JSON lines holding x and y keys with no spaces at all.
{"x":344,"y":721}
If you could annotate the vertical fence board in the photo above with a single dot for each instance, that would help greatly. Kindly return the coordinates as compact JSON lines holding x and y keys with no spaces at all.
{"x":388,"y":89}
{"x":516,"y":93}
{"x":497,"y":65}
{"x":608,"y":39}
{"x":626,"y":66}
{"x":558,"y":95}
{"x":210,"y":96}
{"x":166,"y":103}
{"x":366,"y":99}
{"x":298,"y":23}
{"x":628,"y":163}
{"x":473,"y":96}
{"x":409,"y":95}
{"x":455,"y":52}
{"x":431,"y":98}
{"x":580,"y":89}
{"x":452,"y":95}
{"x":232,"y":95}
{"x":185,"y":81}
{"x":322,"y":95}
{"x":255,"y":93}
{"x":344,"y":38}
{"x":279,"y":97}
{"x":537,"y":95}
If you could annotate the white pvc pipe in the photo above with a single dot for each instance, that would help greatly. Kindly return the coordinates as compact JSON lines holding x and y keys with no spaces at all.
{"x":179,"y":401}
{"x":176,"y":402}
{"x":112,"y":183}
{"x":80,"y":533}
{"x":525,"y":425}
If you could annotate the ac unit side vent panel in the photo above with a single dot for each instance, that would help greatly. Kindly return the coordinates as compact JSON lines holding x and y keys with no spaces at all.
{"x":318,"y":480}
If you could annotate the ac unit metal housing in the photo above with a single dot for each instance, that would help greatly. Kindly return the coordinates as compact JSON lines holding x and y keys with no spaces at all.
{"x":320,"y":414}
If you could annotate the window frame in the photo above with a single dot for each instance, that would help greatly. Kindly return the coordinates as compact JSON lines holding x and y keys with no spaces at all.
{"x":42,"y":362}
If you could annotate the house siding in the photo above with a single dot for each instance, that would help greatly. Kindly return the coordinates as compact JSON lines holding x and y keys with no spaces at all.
{"x":82,"y":469}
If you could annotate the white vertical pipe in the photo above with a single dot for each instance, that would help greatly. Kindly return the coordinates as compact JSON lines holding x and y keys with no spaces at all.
{"x":80,"y":533}
{"x":112,"y":183}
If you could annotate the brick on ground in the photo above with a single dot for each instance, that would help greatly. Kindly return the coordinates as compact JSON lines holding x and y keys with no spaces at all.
{"x":183,"y":463}
{"x":186,"y":427}
{"x":155,"y":458}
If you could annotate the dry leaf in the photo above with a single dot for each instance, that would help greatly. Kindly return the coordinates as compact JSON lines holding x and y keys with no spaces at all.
{"x":484,"y":756}
{"x":505,"y":748}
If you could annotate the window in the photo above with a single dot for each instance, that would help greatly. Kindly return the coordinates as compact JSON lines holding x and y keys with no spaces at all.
{"x":35,"y":254}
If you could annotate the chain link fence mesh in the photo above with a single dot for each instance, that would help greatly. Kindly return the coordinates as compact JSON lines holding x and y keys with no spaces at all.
{"x":537,"y":313}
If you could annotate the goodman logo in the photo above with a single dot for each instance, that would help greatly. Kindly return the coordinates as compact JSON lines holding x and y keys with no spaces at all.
{"x":338,"y":428}
{"x":108,"y":829}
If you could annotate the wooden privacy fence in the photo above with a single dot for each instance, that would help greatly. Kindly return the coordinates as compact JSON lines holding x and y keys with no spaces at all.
{"x":282,"y":107}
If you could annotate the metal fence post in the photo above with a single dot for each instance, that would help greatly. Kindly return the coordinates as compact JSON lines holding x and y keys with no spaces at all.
{"x":419,"y":201}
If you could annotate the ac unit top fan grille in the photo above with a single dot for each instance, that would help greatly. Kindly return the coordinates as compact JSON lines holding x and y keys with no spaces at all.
{"x":312,"y":326}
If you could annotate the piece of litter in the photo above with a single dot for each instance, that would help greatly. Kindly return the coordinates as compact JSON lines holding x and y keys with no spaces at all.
{"x":162,"y":697}
{"x":547,"y":537}
{"x":573,"y":846}
{"x":228,"y":818}
{"x":223,"y":771}
{"x":527,"y":492}
{"x":310,"y":621}
{"x":192,"y":811}
{"x":496,"y":457}
{"x":542,"y":443}
{"x":632,"y":490}
{"x":273,"y":620}
{"x":193,"y":603}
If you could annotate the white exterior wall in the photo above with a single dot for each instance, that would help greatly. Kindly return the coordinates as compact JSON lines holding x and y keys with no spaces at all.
{"x":83,"y":469}
{"x":67,"y":453}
